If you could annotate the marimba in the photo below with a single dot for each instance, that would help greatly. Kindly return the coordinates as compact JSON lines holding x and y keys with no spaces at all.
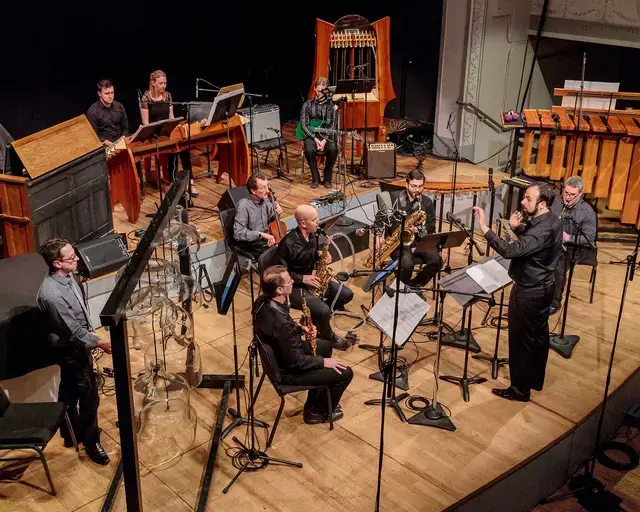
{"x":601,"y":147}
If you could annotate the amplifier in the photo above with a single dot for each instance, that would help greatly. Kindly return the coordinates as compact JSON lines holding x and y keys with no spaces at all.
{"x":381,"y":160}
{"x":264,"y":117}
{"x":101,"y":256}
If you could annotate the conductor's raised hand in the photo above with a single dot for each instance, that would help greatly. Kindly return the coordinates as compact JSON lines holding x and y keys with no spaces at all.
{"x":334,"y":364}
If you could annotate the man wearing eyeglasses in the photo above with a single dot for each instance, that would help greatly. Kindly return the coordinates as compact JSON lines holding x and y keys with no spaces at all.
{"x":579,"y":228}
{"x":73,"y":339}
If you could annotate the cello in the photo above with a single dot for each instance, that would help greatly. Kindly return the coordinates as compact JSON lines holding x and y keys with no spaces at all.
{"x":277,"y":228}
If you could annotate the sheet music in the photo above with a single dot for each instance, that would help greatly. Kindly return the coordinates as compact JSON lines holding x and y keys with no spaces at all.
{"x":411,"y":310}
{"x":490,"y":275}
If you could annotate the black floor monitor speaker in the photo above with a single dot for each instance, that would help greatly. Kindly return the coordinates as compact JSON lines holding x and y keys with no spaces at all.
{"x":101,"y":256}
{"x":381,"y":160}
{"x":231,"y":197}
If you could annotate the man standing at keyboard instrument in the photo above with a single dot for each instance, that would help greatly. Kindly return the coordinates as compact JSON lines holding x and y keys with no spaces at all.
{"x":319,"y":112}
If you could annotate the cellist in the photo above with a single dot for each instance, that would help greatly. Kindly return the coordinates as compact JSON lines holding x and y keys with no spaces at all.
{"x":254,"y":215}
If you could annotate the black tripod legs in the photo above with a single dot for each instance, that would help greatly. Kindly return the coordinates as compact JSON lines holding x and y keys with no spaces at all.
{"x":238,"y":420}
{"x":496,"y":363}
{"x":392,"y":402}
{"x":253,"y":460}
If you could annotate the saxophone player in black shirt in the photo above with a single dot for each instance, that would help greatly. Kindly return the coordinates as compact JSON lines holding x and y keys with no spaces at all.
{"x":274,"y":326}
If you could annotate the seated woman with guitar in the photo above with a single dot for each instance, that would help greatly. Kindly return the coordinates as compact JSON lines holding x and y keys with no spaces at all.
{"x":318,"y":112}
{"x":253,"y":230}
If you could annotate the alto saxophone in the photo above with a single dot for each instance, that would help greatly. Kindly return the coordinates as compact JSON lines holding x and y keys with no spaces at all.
{"x":308,"y":323}
{"x":392,"y":242}
{"x":324,"y":274}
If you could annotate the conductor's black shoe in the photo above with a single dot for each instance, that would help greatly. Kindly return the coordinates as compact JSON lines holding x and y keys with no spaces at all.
{"x":97,"y":454}
{"x":339,"y":343}
{"x":511,"y":394}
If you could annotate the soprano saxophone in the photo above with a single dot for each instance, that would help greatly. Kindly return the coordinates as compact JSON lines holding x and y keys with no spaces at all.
{"x":308,"y":323}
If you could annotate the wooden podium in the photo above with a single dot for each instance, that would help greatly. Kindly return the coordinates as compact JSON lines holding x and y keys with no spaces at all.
{"x":55,"y":185}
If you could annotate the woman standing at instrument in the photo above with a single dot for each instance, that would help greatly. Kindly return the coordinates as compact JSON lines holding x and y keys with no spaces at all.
{"x":156,"y":104}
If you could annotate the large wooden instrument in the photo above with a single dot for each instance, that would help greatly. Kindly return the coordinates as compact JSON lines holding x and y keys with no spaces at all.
{"x":601,"y":146}
{"x":56,"y":186}
{"x":230,"y":149}
{"x":354,"y":49}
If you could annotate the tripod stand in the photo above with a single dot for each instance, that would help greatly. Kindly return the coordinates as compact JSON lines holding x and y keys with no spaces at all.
{"x":389,"y":367}
{"x":249,"y":457}
{"x":586,"y":488}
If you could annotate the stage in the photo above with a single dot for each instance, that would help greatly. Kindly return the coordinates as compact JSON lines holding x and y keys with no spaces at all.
{"x":500,"y":449}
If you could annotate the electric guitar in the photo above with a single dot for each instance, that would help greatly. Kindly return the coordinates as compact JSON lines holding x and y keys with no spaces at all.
{"x":313,"y":124}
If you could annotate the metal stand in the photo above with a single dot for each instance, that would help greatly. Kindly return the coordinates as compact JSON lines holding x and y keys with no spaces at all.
{"x":433,"y":415}
{"x":465,"y":381}
{"x":496,"y":362}
{"x":252,"y":458}
{"x":238,"y":420}
{"x":589,"y":491}
{"x":389,"y":367}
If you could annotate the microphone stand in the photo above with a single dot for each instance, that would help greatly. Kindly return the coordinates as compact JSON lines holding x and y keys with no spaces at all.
{"x":456,"y":156}
{"x":589,"y":491}
{"x":564,"y":344}
{"x":492,"y":191}
{"x":496,"y":362}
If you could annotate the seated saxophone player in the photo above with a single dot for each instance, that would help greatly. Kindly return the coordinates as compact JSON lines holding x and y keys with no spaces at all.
{"x":411,"y":199}
{"x":294,"y":355}
{"x":300,"y":252}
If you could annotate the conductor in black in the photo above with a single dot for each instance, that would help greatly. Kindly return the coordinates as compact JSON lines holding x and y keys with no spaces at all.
{"x":534,"y":257}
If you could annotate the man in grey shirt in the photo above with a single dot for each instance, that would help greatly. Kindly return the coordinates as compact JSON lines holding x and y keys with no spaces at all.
{"x":72,"y":337}
{"x":253,"y":215}
{"x":579,"y":228}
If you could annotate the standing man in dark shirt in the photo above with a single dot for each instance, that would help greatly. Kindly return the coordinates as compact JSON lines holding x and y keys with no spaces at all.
{"x":297,"y":364}
{"x":412,"y":199}
{"x":320,"y":108}
{"x":534,"y":257}
{"x":299,"y":252}
{"x":61,"y":299}
{"x":107,"y":116}
{"x":576,"y":215}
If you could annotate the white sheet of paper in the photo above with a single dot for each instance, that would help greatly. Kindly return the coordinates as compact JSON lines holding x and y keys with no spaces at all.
{"x":411,"y":310}
{"x":490,"y":275}
{"x":599,"y":103}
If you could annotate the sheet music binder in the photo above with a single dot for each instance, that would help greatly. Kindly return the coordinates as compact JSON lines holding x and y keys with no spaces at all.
{"x":460,"y":281}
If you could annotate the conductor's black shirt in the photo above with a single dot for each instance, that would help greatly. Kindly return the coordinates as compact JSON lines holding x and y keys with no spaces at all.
{"x":535,"y":254}
{"x":297,"y":254}
{"x":275,"y":327}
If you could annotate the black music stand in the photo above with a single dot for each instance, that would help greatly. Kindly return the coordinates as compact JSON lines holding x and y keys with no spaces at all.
{"x":439,"y":242}
{"x":353,"y":87}
{"x":153,"y":131}
{"x":225,"y":291}
{"x":462,"y":282}
{"x":224,"y":107}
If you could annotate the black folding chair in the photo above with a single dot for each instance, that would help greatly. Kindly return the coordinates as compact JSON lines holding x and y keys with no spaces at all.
{"x":31,"y":426}
{"x":271,"y":370}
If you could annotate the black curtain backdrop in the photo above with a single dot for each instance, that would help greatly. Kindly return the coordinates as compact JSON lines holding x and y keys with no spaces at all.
{"x":54,"y":55}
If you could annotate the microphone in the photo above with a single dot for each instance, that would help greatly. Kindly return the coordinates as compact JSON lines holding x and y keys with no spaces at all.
{"x":450,"y":121}
{"x":342,"y":276}
{"x":197,"y":83}
{"x":460,"y":225}
{"x":387,"y":289}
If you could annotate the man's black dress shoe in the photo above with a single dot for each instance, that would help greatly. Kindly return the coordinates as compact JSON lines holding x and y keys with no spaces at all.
{"x":97,"y":454}
{"x":511,"y":394}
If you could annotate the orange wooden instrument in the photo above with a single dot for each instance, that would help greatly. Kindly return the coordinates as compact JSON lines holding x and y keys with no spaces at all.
{"x":277,"y":228}
{"x":602,"y":147}
{"x":351,"y":49}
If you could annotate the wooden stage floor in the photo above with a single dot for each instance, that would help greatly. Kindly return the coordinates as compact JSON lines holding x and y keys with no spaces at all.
{"x":424,"y":468}
{"x":290,"y":194}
